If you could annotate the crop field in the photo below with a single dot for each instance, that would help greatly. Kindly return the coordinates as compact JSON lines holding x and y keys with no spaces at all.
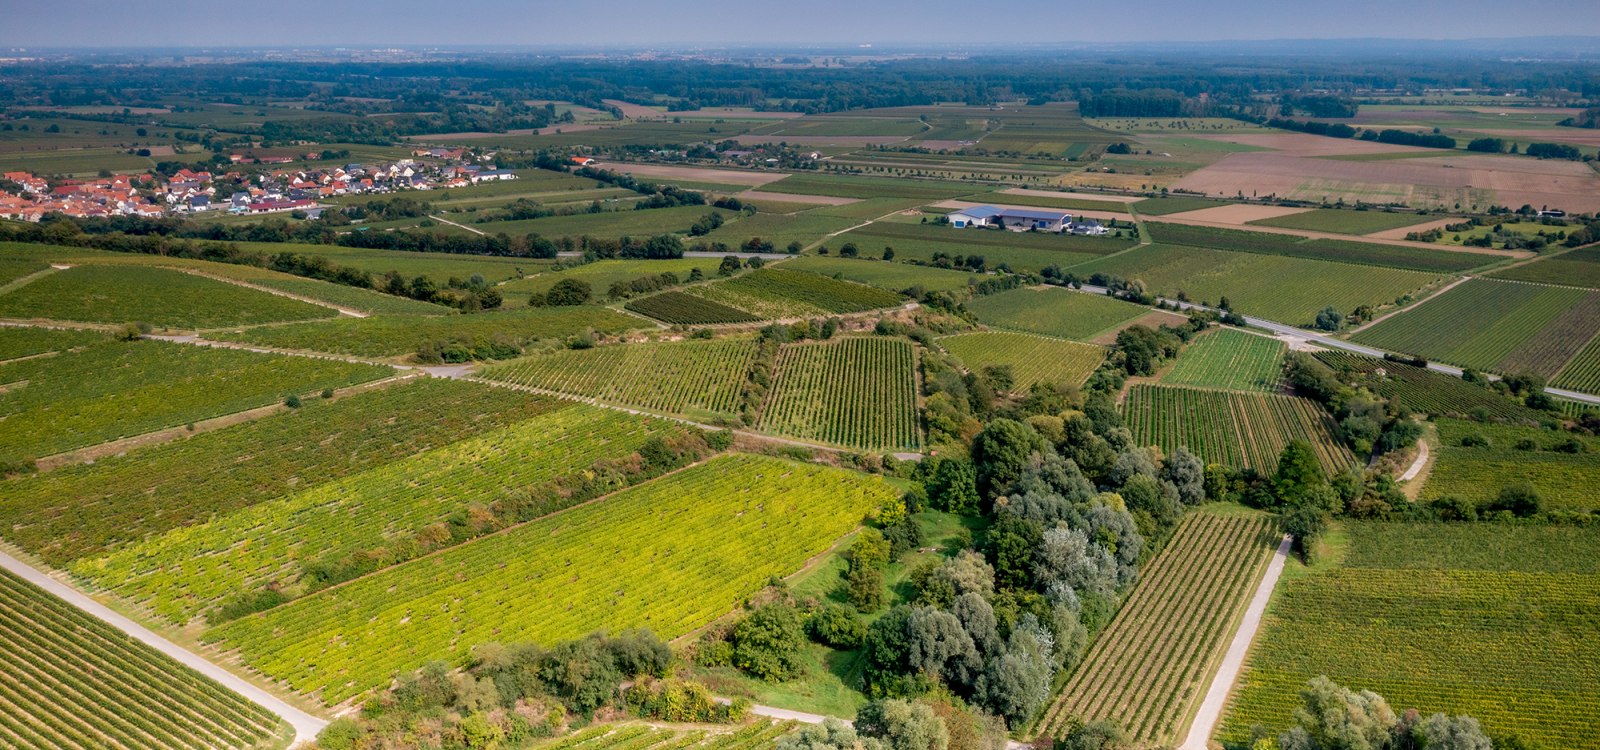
{"x":1054,"y":312}
{"x":856,"y":392}
{"x":1017,"y":250}
{"x":701,"y":379}
{"x":437,"y":266}
{"x":17,"y":342}
{"x":89,"y":509}
{"x":73,"y":681}
{"x":601,"y":274}
{"x":1574,"y":268}
{"x":1582,"y":372}
{"x":383,"y":516}
{"x":1175,"y":204}
{"x":1288,"y":290}
{"x":782,"y":229}
{"x":609,"y":224}
{"x":355,"y":298}
{"x":1339,"y":251}
{"x":1150,"y":666}
{"x":1425,"y":391}
{"x":12,"y":269}
{"x":1515,"y":454}
{"x":850,"y":186}
{"x":680,"y":308}
{"x":1490,"y":620}
{"x":119,"y":389}
{"x":670,"y":555}
{"x":883,"y":274}
{"x":1032,"y":359}
{"x":1344,"y":221}
{"x":779,"y":293}
{"x":106,"y":294}
{"x":1495,"y":325}
{"x":397,"y":335}
{"x":1230,"y":359}
{"x":1242,"y":430}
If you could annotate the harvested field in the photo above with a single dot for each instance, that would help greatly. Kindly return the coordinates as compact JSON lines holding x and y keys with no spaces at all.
{"x":1238,"y":213}
{"x":1399,"y":233}
{"x":1305,"y":144}
{"x":1577,"y":136}
{"x":697,"y":174}
{"x":821,"y":200}
{"x":635,"y":111}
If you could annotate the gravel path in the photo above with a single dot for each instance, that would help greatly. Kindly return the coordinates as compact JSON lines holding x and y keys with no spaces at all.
{"x":1205,"y":722}
{"x":1416,"y":466}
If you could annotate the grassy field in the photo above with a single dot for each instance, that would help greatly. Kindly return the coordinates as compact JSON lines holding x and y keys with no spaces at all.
{"x":12,"y":269}
{"x":1425,"y":391}
{"x":851,"y":186}
{"x":1495,"y":325}
{"x":1151,"y":665}
{"x":380,"y":517}
{"x":1243,"y":430}
{"x":670,"y":555}
{"x":1288,"y":290}
{"x":700,"y":379}
{"x":74,"y":681}
{"x":1514,"y":454}
{"x":1053,"y":312}
{"x":608,"y":224}
{"x":437,"y":266}
{"x":90,"y":509}
{"x":1232,"y":360}
{"x":1018,"y":251}
{"x":1573,"y":268}
{"x":885,"y":275}
{"x":399,"y":335}
{"x":1339,"y":251}
{"x":1032,"y":359}
{"x":1175,"y":204}
{"x":1344,"y":221}
{"x":354,"y":298}
{"x":780,"y":293}
{"x":781,"y":229}
{"x":120,"y":389}
{"x":17,"y":342}
{"x":856,"y":392}
{"x":169,"y":299}
{"x":1489,"y":620}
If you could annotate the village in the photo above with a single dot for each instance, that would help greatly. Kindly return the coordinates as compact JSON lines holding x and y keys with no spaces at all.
{"x":28,"y":197}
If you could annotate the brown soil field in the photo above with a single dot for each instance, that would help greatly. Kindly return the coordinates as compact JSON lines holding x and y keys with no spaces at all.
{"x":1107,"y":197}
{"x":1150,"y":319}
{"x":938,"y":145}
{"x":1578,"y":136}
{"x":697,"y":174}
{"x":1305,"y":144}
{"x":1238,"y":214}
{"x":634,"y":110}
{"x":1399,"y":233}
{"x":821,"y":140}
{"x":1472,"y":181}
{"x":821,"y":200}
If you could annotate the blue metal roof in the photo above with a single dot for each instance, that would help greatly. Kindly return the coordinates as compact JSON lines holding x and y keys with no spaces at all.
{"x":1034,"y":215}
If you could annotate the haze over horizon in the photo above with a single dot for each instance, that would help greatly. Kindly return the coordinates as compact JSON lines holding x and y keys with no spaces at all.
{"x":643,"y":23}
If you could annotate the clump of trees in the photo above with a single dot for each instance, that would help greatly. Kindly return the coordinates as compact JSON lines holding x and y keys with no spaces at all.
{"x":1333,"y":717}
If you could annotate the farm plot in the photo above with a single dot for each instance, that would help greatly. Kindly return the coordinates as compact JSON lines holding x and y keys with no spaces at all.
{"x":89,"y":509}
{"x":1490,"y":620}
{"x":701,"y":379}
{"x":1151,"y":664}
{"x":601,"y":274}
{"x":17,"y":342}
{"x":437,"y":266}
{"x":1032,"y":359}
{"x":679,"y":308}
{"x":608,"y":224}
{"x":782,"y":229}
{"x":1582,"y":372}
{"x":1339,"y":251}
{"x":1242,"y":430}
{"x":1575,"y":268}
{"x":1289,"y":290}
{"x":915,"y":242}
{"x":1230,"y":359}
{"x":380,"y":517}
{"x":670,"y":555}
{"x":1425,"y":391}
{"x":884,"y":274}
{"x":1563,"y":468}
{"x":856,"y":392}
{"x":160,"y":297}
{"x":1054,"y":312}
{"x":778,"y":293}
{"x":846,"y":186}
{"x":355,"y":298}
{"x":119,"y":389}
{"x":1491,"y":325}
{"x":397,"y":335}
{"x":12,"y":269}
{"x":1344,"y":221}
{"x":75,"y":682}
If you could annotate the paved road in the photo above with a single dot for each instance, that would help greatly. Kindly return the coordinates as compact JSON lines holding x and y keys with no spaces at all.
{"x":1205,"y":722}
{"x":305,"y":725}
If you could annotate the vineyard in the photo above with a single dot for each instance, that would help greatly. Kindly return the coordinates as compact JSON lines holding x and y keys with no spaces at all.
{"x":1583,"y":372}
{"x":1425,"y":391}
{"x":1575,"y":268}
{"x":1032,"y":359}
{"x":1243,"y":430}
{"x":1344,"y":221}
{"x":701,"y":379}
{"x":72,"y":681}
{"x":755,"y":736}
{"x":382,"y":516}
{"x":670,"y":555}
{"x":856,"y":392}
{"x":1339,"y":251}
{"x":119,"y":389}
{"x":686,"y":309}
{"x":776,"y":293}
{"x":12,"y":269}
{"x":17,"y":342}
{"x":1276,"y":287}
{"x":1154,"y":661}
{"x":1230,"y":359}
{"x":1488,"y":620}
{"x":1563,"y":468}
{"x":355,"y":298}
{"x":90,"y":509}
{"x":601,"y":274}
{"x":1054,"y":312}
{"x":1494,"y":325}
{"x":158,"y":296}
{"x":1019,"y":251}
{"x":882,"y":274}
{"x":395,"y":335}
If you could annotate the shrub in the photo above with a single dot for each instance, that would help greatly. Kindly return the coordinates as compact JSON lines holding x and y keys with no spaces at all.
{"x":767,"y":643}
{"x":836,"y":625}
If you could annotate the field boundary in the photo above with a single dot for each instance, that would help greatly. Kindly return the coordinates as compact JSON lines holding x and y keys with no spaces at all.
{"x":350,"y":311}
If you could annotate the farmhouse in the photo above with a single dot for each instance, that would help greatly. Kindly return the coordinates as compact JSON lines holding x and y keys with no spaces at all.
{"x":1014,"y":219}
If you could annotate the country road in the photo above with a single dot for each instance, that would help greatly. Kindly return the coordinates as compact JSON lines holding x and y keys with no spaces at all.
{"x":305,"y":725}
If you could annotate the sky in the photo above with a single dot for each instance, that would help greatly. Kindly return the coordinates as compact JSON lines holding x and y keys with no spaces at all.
{"x":681,"y":23}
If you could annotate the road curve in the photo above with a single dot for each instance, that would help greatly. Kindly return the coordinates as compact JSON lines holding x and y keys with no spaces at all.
{"x":1205,"y":721}
{"x":305,"y":725}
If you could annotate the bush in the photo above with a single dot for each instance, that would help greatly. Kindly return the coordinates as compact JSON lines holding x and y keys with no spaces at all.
{"x":293,"y":401}
{"x":836,"y":625}
{"x":568,"y":292}
{"x":1474,"y":440}
{"x":767,"y":643}
{"x":1521,"y":500}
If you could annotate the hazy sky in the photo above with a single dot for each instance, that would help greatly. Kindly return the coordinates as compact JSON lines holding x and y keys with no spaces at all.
{"x":36,"y":23}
